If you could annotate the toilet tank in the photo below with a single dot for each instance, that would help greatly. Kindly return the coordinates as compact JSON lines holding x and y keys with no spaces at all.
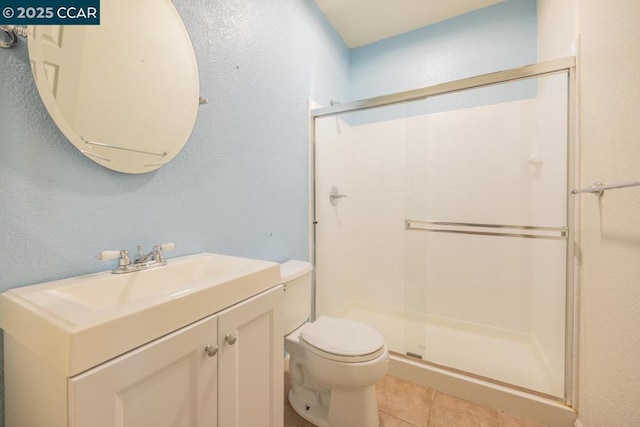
{"x":296,"y":278}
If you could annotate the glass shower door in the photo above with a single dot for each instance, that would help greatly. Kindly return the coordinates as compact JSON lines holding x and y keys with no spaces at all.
{"x":486,"y":232}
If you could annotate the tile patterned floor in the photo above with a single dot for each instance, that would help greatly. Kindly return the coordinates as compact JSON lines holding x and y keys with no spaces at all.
{"x":404,"y":404}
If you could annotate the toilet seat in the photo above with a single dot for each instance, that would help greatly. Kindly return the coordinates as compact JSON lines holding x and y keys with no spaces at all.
{"x":342,"y":340}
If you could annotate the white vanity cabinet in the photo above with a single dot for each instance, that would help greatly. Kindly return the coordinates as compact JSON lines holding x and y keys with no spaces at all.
{"x":169,"y":382}
{"x":178,"y":381}
{"x":250,"y":368}
{"x":222,"y":368}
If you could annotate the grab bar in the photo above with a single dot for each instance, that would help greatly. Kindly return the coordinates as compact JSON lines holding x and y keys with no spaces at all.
{"x":522,"y":231}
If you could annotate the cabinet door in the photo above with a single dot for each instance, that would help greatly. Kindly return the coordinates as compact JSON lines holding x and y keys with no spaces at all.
{"x":170,"y":382}
{"x":250,"y":365}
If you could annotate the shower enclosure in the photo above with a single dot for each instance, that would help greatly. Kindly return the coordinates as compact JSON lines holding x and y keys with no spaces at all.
{"x":442,"y":219}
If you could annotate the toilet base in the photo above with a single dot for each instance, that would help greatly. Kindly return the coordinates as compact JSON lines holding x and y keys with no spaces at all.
{"x":354,"y":407}
{"x":349,"y":407}
{"x":309,"y":407}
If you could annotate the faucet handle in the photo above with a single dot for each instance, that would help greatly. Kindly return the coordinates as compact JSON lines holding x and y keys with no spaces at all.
{"x":107,"y":255}
{"x":158,"y":249}
{"x":167,"y":246}
{"x":122,"y":255}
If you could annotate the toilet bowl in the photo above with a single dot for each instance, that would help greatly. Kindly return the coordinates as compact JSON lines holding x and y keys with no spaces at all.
{"x":334,"y":363}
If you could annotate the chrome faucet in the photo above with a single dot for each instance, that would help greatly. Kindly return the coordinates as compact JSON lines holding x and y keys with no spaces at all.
{"x":155,"y":254}
{"x":153,"y":259}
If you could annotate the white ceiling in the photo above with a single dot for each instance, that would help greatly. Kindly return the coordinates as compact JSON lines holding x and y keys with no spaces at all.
{"x":360,"y":22}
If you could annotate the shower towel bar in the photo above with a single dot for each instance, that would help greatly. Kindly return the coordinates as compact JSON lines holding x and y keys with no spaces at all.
{"x":522,"y":231}
{"x":598,"y":187}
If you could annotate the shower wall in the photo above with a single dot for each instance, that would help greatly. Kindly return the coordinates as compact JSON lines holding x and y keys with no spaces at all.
{"x":335,"y":233}
{"x":426,"y":167}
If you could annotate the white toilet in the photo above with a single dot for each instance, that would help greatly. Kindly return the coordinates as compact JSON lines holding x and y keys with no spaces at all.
{"x":334,"y":364}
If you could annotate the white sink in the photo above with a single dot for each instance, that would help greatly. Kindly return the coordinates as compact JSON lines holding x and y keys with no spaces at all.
{"x":180,"y":276}
{"x":80,"y":322}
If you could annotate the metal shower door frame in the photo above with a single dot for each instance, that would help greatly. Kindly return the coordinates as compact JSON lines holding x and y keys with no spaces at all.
{"x":558,"y":66}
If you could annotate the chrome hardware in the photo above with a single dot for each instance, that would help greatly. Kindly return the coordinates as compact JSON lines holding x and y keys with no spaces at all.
{"x":153,"y":259}
{"x":335,"y":196}
{"x":211,"y":350}
{"x":230,"y":339}
{"x":12,"y":32}
{"x":12,"y":38}
{"x":544,"y":68}
{"x":598,"y":187}
{"x":140,"y":258}
{"x":523,"y":231}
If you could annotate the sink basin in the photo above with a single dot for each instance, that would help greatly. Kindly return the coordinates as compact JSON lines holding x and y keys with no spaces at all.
{"x":80,"y":322}
{"x":107,"y":292}
{"x":183,"y":275}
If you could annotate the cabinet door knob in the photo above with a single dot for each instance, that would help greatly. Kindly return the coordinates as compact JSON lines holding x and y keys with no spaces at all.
{"x":211,"y":350}
{"x":230,"y":339}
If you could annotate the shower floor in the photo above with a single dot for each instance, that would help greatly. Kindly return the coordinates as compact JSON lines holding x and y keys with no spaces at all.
{"x":499,"y":354}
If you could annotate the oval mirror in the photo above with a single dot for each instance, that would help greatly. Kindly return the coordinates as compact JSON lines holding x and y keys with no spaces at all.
{"x":125,"y":92}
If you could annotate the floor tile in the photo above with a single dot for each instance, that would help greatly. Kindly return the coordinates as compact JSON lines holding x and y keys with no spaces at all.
{"x":404,"y":404}
{"x":449,"y":411}
{"x":387,"y":420}
{"x":404,"y":400}
{"x":507,"y":420}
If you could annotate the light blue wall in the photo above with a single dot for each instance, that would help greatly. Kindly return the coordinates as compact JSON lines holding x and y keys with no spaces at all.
{"x":496,"y":38}
{"x":240,"y":185}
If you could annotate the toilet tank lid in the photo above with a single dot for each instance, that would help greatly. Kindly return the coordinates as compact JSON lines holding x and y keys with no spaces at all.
{"x":293,"y":269}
